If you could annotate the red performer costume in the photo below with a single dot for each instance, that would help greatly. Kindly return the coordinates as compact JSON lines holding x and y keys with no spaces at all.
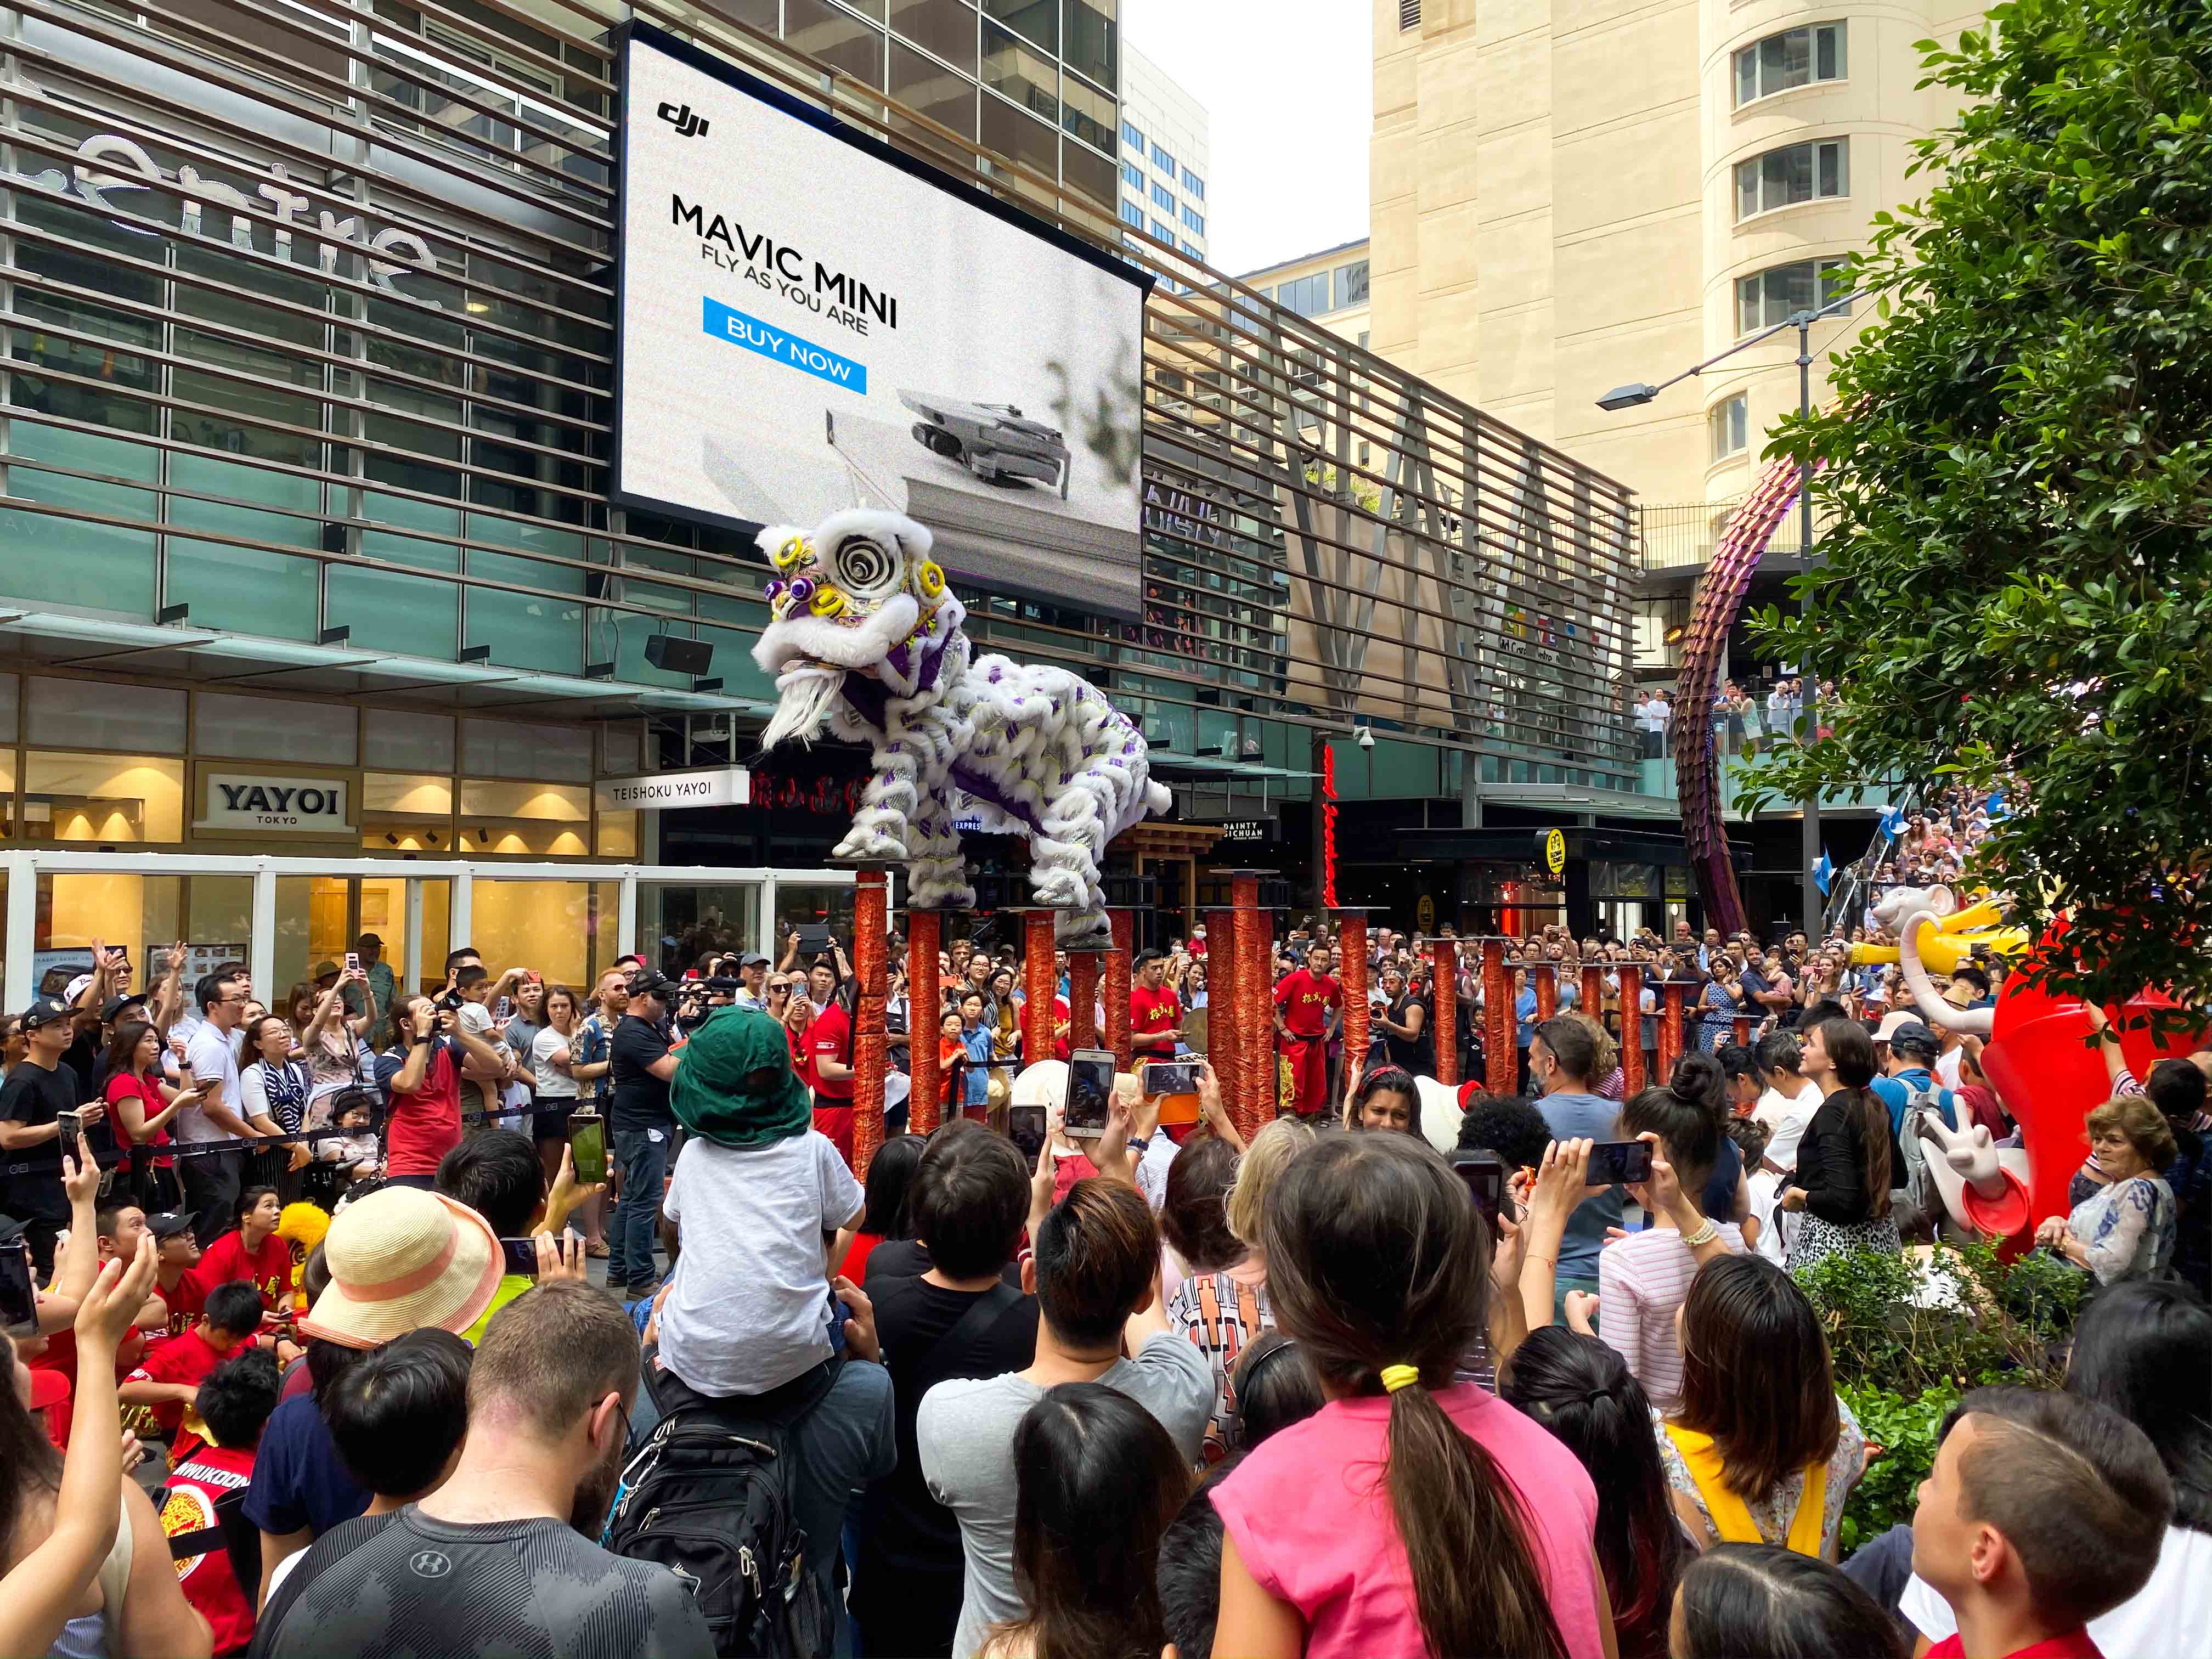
{"x":1302,"y":1002}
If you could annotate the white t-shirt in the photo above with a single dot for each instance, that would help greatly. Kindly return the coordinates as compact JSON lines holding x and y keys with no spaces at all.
{"x":553,"y":1083}
{"x":749,"y":1308}
{"x":213,"y":1056}
{"x":2170,"y":1618}
{"x":1946,"y":1067}
{"x":1778,"y":1227}
{"x":1785,"y":1119}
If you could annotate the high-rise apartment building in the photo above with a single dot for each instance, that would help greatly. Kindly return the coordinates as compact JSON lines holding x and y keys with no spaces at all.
{"x":1570,"y":195}
{"x":1166,"y":155}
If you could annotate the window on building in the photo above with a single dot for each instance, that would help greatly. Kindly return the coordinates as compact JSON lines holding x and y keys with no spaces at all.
{"x":1133,"y":215}
{"x":1133,"y":175}
{"x":1163,"y":197}
{"x":1165,"y":233}
{"x":1731,"y":434}
{"x":1086,"y":112}
{"x":1773,"y":295}
{"x":1795,"y":57}
{"x":1192,"y":251}
{"x":1194,"y":218}
{"x":1307,"y":295}
{"x":1132,"y":138}
{"x":1193,"y":185}
{"x":1795,"y":172}
{"x":1409,"y":14}
{"x":1028,"y":77}
{"x":1351,"y":284}
{"x":1164,"y":161}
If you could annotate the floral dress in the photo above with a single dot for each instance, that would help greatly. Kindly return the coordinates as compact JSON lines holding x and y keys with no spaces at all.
{"x":2128,"y":1228}
{"x":1773,"y":1511}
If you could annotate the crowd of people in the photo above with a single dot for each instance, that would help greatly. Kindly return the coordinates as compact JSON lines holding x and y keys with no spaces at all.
{"x":1742,"y":721}
{"x":365,"y":1367}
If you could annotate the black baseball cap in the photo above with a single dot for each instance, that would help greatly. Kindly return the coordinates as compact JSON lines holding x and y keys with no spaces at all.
{"x":752,"y":959}
{"x":171,"y":1223}
{"x":115,"y":1005}
{"x":43,"y":1012}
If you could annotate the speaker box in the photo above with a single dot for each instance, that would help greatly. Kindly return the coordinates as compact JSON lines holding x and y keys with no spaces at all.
{"x":678,"y":656}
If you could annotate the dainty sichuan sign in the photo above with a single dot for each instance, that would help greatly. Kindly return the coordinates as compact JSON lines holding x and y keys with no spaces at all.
{"x":291,"y":806}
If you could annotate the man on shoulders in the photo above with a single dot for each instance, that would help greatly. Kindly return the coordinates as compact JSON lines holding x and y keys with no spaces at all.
{"x":1096,"y":1274}
{"x":499,"y":1557}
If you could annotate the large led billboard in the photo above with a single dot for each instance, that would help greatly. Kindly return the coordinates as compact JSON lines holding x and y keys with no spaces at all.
{"x":811,"y":320}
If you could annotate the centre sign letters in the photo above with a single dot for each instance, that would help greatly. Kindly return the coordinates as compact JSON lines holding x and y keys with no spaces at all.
{"x":294,"y":806}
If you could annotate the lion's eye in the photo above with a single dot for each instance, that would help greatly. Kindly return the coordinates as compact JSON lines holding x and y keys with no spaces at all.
{"x":866,"y":569}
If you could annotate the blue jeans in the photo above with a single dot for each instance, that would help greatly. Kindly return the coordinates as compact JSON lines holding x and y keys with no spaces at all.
{"x":644,"y":1161}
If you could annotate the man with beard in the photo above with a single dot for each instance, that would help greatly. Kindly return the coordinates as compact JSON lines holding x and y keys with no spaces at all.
{"x":499,"y":1557}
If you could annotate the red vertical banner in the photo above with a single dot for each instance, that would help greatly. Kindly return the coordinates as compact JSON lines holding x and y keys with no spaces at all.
{"x":1670,"y":1029}
{"x":1352,"y":947}
{"x":1327,"y":826}
{"x":1500,"y":1058}
{"x":1446,"y":960}
{"x":1255,"y":1008}
{"x":1083,"y":999}
{"x":871,"y":915}
{"x":1124,"y":924}
{"x":925,"y":995}
{"x":1544,"y":976}
{"x":1224,"y":1039}
{"x":1631,"y":1028}
{"x":1040,"y":982}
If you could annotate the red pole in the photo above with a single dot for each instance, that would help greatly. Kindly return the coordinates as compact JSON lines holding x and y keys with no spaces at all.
{"x":1351,"y":946}
{"x":1546,"y":975}
{"x":1083,"y":999}
{"x":1593,"y":1002}
{"x":1039,"y":984}
{"x":1446,"y":970}
{"x":1743,"y":1031}
{"x":1124,"y":924}
{"x":1670,"y":1028}
{"x":1631,"y":1028}
{"x":1223,"y":1034}
{"x":870,"y":913}
{"x":1498,"y":1050}
{"x":1255,"y":1024}
{"x":925,"y":996}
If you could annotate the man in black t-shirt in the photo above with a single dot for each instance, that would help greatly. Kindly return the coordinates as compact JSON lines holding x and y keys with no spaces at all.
{"x":960,"y":1319}
{"x":638,"y":1126}
{"x":499,"y":1559}
{"x":36,"y":1092}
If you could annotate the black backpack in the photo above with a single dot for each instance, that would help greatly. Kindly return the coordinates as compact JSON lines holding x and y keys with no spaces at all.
{"x":712,"y":1506}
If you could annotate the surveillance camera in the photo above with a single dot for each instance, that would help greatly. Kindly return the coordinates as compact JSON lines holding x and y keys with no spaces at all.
{"x":1362,"y":735}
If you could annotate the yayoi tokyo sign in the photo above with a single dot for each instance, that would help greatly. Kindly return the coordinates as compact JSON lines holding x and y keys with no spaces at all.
{"x":261,"y":800}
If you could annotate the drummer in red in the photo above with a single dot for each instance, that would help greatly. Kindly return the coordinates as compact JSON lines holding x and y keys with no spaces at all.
{"x":1309,"y":1004}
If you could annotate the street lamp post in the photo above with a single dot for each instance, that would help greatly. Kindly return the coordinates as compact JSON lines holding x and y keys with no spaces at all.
{"x":1637,"y":393}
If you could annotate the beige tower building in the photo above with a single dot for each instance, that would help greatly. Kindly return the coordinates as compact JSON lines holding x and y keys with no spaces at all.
{"x":1569,"y":195}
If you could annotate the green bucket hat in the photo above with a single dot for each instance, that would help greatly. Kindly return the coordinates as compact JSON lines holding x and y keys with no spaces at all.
{"x":716,"y":1094}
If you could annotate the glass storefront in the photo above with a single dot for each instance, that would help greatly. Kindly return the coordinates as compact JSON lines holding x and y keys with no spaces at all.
{"x":284,"y":916}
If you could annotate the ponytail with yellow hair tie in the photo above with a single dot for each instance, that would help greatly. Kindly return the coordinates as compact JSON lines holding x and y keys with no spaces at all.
{"x":1395,"y":1377}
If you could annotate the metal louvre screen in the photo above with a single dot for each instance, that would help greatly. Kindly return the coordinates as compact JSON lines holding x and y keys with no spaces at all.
{"x":311,"y":313}
{"x":810,"y":321}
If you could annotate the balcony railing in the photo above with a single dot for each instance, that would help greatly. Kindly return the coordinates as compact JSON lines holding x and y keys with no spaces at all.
{"x":1687,"y":535}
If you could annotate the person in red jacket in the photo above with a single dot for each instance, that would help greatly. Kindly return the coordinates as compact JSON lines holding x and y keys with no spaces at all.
{"x":234,"y":1401}
{"x":1308,"y":1002}
{"x":1155,"y":1014}
{"x":169,"y":1377}
{"x":251,"y":1251}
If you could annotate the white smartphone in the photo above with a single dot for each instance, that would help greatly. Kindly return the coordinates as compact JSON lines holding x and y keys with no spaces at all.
{"x":1089,"y":1093}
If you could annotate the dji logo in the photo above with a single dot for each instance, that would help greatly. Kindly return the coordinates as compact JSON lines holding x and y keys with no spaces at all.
{"x":687,"y":124}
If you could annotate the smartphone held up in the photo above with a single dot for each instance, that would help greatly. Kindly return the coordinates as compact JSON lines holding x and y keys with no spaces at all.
{"x":1089,"y":1093}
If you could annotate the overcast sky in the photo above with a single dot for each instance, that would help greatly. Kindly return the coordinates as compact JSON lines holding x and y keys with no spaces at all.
{"x":1289,"y":85}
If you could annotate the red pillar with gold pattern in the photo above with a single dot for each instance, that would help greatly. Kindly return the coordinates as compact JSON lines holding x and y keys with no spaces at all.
{"x":871,"y":914}
{"x":1124,"y":923}
{"x":1445,"y":960}
{"x":1742,"y":1033}
{"x":1258,"y":1100}
{"x":1544,"y":976}
{"x":1040,"y":984}
{"x":1631,"y":1028}
{"x":1593,"y":1002}
{"x":1351,"y":972}
{"x":1223,"y":1036}
{"x":1500,"y":1058}
{"x":924,"y":994}
{"x":1083,"y":998}
{"x":1670,"y":1028}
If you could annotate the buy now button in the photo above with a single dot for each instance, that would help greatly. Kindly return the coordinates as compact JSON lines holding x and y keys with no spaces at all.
{"x":726,"y":322}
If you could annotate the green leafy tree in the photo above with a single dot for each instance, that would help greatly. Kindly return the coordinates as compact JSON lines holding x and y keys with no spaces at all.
{"x":2018,"y":577}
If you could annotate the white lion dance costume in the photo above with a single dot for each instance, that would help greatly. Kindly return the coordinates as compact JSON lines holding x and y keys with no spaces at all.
{"x":865,"y":639}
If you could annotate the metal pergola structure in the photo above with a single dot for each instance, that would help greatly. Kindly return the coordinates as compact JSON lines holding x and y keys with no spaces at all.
{"x":364,"y":251}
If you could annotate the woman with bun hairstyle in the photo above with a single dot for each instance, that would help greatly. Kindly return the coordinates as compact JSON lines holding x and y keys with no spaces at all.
{"x":1579,"y":1388}
{"x":1643,"y":1278}
{"x":1845,"y":1160}
{"x":1411,"y":1514}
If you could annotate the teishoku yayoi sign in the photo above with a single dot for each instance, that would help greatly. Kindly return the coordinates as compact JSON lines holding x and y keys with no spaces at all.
{"x":810,"y":321}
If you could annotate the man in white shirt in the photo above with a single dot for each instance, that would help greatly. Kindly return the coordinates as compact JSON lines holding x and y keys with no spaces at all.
{"x":213,"y":1181}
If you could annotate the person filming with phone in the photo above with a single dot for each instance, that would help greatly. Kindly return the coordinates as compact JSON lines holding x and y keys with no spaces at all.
{"x":40,"y":1094}
{"x":420,"y":1074}
{"x":1562,"y":1054}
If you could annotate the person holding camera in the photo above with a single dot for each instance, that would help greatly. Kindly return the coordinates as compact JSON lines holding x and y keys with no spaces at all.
{"x":421,"y":1076}
{"x":639,"y":1121}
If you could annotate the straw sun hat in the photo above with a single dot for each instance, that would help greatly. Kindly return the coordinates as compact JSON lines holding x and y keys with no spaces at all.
{"x":402,"y":1260}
